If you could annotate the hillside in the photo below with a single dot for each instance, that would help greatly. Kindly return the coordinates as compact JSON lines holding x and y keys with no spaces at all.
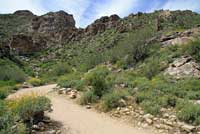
{"x":149,"y":61}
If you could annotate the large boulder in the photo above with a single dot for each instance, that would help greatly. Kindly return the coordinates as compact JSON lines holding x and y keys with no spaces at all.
{"x":178,"y":41}
{"x":183,"y":67}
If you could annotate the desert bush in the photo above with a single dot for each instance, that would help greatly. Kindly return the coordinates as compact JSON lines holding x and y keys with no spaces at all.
{"x":8,"y":72}
{"x":151,"y":69}
{"x":7,"y":83}
{"x":189,"y":112}
{"x":97,"y":79}
{"x":153,"y":66}
{"x":151,"y":107}
{"x":4,"y":91}
{"x":8,"y":120}
{"x":99,"y":86}
{"x":6,"y":123}
{"x":135,"y":47}
{"x":61,"y":69}
{"x":28,"y":107}
{"x":187,"y":88}
{"x":193,"y":49}
{"x":35,"y":82}
{"x":112,"y":99}
{"x":170,"y":100}
{"x":79,"y":85}
{"x":88,"y":97}
{"x":99,"y":71}
{"x":143,"y":96}
{"x":72,"y":80}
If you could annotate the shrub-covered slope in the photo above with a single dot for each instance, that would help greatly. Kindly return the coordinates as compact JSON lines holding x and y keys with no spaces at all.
{"x":147,"y":60}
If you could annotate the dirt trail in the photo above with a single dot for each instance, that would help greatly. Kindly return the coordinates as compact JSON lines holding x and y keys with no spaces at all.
{"x":79,"y":119}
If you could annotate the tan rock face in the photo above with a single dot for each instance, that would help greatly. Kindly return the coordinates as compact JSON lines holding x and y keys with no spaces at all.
{"x":178,"y":41}
{"x":180,"y":38}
{"x":183,"y":67}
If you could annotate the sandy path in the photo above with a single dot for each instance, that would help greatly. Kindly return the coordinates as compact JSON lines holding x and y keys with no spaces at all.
{"x":79,"y":119}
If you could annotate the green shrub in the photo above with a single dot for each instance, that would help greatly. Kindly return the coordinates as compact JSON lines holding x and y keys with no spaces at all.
{"x":7,"y":83}
{"x":99,"y":85}
{"x":72,"y":80}
{"x":61,"y":69}
{"x":171,"y":101}
{"x":152,"y":67}
{"x":143,"y":96}
{"x":99,"y":71}
{"x":29,"y":106}
{"x":88,"y":97}
{"x":8,"y":72}
{"x":35,"y":82}
{"x":8,"y":119}
{"x":79,"y":85}
{"x":6,"y":123}
{"x":193,"y":49}
{"x":188,"y":88}
{"x":151,"y":107}
{"x":4,"y":92}
{"x":135,"y":46}
{"x":189,"y":112}
{"x":111,"y":100}
{"x":97,"y":79}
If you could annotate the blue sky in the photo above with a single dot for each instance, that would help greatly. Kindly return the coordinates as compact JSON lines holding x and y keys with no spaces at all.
{"x":86,"y":11}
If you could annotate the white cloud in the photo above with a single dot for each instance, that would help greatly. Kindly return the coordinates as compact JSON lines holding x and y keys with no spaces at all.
{"x":119,"y":7}
{"x":75,"y":7}
{"x":86,"y":11}
{"x":109,"y":7}
{"x":193,"y":5}
{"x":10,"y":6}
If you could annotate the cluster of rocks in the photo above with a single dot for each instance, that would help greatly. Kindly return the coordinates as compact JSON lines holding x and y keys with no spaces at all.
{"x":72,"y":93}
{"x":26,"y":85}
{"x":47,"y":126}
{"x":179,"y":38}
{"x":166,"y":123}
{"x":183,"y":67}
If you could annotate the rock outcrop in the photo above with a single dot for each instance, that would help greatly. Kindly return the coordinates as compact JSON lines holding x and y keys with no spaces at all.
{"x":42,"y":31}
{"x":24,"y":45}
{"x":179,"y":38}
{"x":24,"y":13}
{"x":102,"y":24}
{"x":53,"y":25}
{"x":59,"y":27}
{"x":184,"y":67}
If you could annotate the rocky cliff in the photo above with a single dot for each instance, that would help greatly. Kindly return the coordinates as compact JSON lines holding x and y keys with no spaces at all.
{"x":26,"y":33}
